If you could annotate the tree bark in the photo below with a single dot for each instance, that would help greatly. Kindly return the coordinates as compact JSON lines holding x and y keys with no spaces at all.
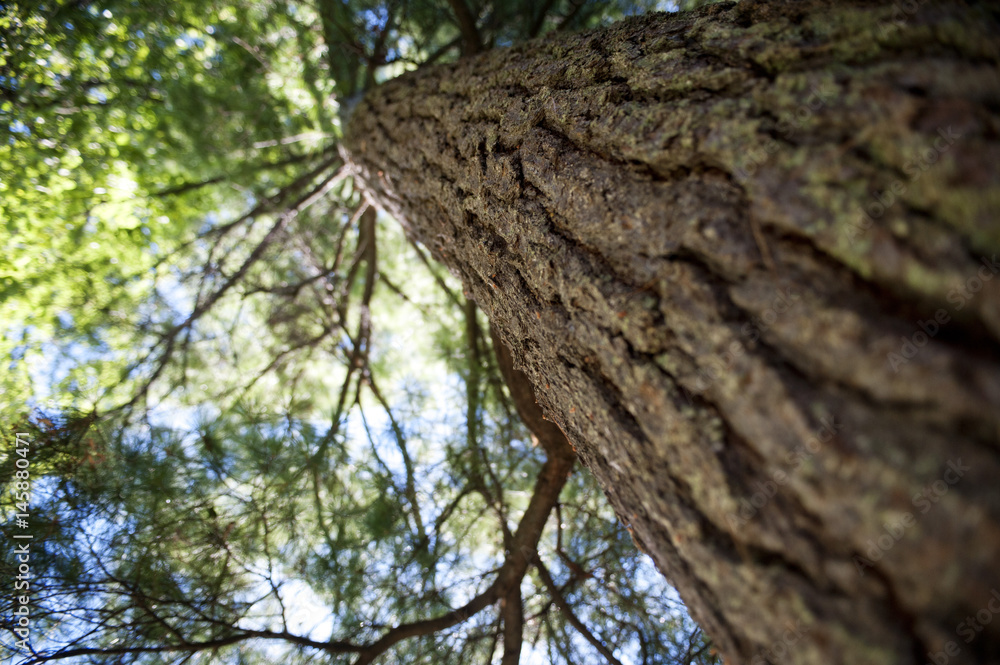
{"x":746,"y":256}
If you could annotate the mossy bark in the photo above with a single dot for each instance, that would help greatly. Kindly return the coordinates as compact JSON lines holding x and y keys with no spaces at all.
{"x":748,"y":258}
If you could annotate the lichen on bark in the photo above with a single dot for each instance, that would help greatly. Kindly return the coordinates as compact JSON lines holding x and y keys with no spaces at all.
{"x":745,"y":247}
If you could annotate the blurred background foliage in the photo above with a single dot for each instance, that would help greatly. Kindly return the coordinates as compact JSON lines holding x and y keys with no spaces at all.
{"x":262,"y":422}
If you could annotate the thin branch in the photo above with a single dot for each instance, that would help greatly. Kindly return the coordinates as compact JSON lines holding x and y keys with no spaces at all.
{"x":436,"y":55}
{"x":539,"y":22}
{"x":411,"y":487}
{"x":334,"y":647}
{"x":358,"y":357}
{"x":437,"y":278}
{"x":472,"y":378}
{"x":567,"y":611}
{"x":169,"y":341}
{"x":399,"y":292}
{"x":473,"y":398}
{"x":185,"y":187}
{"x":275,"y":202}
{"x":576,"y":6}
{"x":447,"y":511}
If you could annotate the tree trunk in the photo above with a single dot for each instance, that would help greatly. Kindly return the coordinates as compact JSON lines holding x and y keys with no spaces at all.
{"x":747,"y":257}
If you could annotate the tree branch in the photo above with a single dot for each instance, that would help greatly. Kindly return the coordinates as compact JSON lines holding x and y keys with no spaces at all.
{"x":411,"y":487}
{"x":513,"y":625}
{"x":329,"y":647}
{"x":428,"y":626}
{"x":185,"y":187}
{"x":539,"y":22}
{"x":471,"y":41}
{"x":170,"y":339}
{"x":522,"y":393}
{"x":567,"y":611}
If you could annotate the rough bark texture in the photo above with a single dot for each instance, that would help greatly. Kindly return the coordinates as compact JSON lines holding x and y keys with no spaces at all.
{"x":665,"y":220}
